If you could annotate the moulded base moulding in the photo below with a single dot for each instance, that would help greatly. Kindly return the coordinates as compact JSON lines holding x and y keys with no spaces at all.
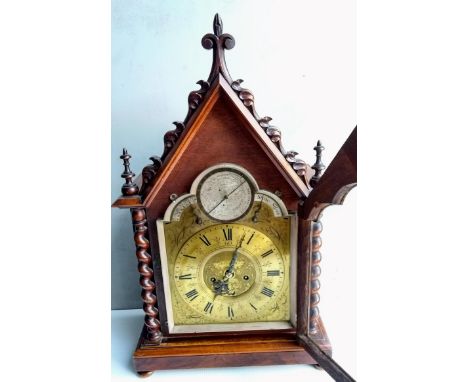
{"x":240,"y":349}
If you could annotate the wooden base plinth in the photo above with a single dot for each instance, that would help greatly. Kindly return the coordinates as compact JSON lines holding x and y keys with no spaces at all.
{"x":225,"y":351}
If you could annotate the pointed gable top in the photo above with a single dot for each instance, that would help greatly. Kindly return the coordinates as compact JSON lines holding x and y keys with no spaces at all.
{"x":219,"y":85}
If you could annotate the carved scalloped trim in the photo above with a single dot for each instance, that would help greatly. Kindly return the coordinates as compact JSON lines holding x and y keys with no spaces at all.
{"x":218,"y":42}
{"x":300,"y":167}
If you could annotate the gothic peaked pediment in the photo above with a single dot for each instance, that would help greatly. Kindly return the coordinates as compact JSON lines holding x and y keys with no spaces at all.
{"x":224,"y":172}
{"x":296,"y":171}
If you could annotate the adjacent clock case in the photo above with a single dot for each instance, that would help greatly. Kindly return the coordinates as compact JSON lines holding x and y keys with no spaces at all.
{"x":222,"y":126}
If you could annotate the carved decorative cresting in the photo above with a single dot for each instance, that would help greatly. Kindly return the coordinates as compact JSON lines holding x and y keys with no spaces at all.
{"x":149,"y":173}
{"x":314,"y":275}
{"x":152,"y":323}
{"x":171,"y":137}
{"x":299,"y":166}
{"x":129,"y":188}
{"x":218,"y":42}
{"x":195,"y":98}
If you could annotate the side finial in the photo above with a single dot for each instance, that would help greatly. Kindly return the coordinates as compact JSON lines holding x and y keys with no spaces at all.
{"x":218,"y":42}
{"x":318,"y":165}
{"x":129,"y":188}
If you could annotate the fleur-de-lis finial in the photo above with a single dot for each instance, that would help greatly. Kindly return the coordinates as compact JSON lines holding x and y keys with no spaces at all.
{"x":129,"y":188}
{"x":318,"y":165}
{"x":218,"y":41}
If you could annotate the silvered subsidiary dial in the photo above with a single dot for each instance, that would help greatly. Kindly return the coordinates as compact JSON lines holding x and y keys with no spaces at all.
{"x":225,"y":194}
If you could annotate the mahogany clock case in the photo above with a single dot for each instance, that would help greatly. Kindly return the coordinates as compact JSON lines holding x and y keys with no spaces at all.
{"x":293,"y":78}
{"x":222,"y":126}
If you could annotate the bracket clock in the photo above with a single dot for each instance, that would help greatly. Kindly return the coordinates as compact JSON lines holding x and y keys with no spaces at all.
{"x":227,"y":235}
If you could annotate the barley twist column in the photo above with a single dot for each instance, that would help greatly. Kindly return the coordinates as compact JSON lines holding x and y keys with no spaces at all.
{"x":152,"y":323}
{"x":314,"y":275}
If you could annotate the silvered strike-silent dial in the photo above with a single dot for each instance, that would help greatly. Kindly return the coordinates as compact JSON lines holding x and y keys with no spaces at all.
{"x":225,"y":194}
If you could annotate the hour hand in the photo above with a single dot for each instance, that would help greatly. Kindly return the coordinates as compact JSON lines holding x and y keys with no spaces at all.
{"x":229,"y":272}
{"x":220,"y":287}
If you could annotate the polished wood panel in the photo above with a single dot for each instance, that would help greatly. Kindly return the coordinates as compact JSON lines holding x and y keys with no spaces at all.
{"x":227,"y":349}
{"x":266,"y":349}
{"x":221,"y":137}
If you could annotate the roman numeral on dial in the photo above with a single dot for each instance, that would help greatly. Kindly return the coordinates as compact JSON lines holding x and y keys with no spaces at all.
{"x":230,"y":313}
{"x":185,"y":277}
{"x":205,"y":240}
{"x":208,"y":307}
{"x":273,"y":273}
{"x":227,"y":234}
{"x":250,"y":238}
{"x":267,"y":253}
{"x":253,"y":306}
{"x":192,"y":295}
{"x":267,"y":292}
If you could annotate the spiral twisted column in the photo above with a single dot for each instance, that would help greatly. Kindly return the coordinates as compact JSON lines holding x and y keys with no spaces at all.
{"x":315,"y":271}
{"x":152,"y":323}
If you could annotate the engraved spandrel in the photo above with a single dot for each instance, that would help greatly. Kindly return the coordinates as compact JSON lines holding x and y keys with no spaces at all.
{"x":182,"y":206}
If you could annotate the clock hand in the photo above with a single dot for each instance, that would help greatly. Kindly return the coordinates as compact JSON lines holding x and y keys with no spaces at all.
{"x":241,"y":183}
{"x":229,"y":272}
{"x":220,"y":287}
{"x":226,"y":197}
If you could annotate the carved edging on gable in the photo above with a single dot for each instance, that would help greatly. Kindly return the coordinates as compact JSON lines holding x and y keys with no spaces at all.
{"x":218,"y":42}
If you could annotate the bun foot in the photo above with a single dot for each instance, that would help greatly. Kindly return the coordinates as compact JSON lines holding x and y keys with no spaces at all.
{"x":144,"y":374}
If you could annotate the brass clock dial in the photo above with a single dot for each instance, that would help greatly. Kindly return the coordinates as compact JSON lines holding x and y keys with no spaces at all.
{"x":232,"y":273}
{"x":227,"y":256}
{"x":225,"y":194}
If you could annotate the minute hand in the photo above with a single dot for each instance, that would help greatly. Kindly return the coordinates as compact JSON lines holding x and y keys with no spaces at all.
{"x":233,"y":262}
{"x":228,"y":274}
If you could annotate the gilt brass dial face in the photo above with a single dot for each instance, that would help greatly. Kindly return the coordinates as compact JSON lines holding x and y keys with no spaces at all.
{"x":230,"y":273}
{"x":228,"y":256}
{"x":225,"y":194}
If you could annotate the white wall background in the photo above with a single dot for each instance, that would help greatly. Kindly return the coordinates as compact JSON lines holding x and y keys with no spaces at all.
{"x":298,"y":58}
